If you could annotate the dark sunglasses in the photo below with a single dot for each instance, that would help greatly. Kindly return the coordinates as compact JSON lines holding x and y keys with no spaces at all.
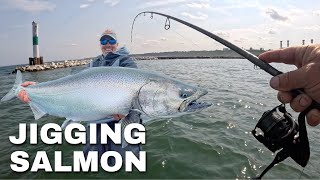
{"x":106,"y":41}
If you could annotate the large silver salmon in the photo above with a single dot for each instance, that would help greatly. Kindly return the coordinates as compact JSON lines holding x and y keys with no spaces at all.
{"x":96,"y":93}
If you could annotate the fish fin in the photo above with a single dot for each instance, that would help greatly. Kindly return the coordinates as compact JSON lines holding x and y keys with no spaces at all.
{"x":145,"y":118}
{"x":124,"y":143}
{"x":37,"y":111}
{"x":137,"y":108}
{"x":105,"y":120}
{"x":137,"y":111}
{"x":15,"y":89}
{"x":132,"y":117}
{"x":135,"y":105}
{"x":66,"y":123}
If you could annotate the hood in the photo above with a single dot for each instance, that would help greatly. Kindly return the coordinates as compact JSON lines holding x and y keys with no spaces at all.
{"x":123,"y":51}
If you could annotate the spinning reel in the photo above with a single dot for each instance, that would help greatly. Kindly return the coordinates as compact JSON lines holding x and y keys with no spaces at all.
{"x":277,"y":130}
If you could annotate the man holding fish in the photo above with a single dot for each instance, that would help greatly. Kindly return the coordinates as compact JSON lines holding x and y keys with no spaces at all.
{"x":111,"y":56}
{"x":96,"y":93}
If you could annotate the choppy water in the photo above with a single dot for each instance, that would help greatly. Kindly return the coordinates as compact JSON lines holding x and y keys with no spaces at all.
{"x":215,"y":143}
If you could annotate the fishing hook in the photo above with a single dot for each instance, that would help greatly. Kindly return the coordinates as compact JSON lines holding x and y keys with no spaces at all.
{"x":255,"y":67}
{"x":167,"y":24}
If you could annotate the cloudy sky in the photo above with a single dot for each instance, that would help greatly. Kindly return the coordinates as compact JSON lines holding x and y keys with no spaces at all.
{"x":70,"y":29}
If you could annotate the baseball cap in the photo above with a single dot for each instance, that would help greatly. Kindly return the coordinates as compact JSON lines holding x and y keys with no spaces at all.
{"x":110,"y":33}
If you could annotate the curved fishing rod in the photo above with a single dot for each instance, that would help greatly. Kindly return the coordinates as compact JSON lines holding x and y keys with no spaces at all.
{"x":246,"y":54}
{"x":254,"y":59}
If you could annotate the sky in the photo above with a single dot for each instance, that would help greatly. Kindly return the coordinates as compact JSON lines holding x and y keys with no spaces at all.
{"x":71,"y":29}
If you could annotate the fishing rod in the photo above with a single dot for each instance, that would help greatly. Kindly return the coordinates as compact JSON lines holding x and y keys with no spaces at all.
{"x":279,"y":130}
{"x":246,"y":54}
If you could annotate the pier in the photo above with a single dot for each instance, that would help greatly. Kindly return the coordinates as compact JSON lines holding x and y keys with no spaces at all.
{"x":52,"y":65}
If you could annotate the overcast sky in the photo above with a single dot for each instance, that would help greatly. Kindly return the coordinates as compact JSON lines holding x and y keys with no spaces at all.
{"x":71,"y":29}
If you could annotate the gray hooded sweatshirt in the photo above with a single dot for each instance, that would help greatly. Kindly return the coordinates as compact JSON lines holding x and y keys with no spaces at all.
{"x":119,"y":58}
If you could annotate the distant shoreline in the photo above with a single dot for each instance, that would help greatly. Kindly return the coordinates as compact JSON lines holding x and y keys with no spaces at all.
{"x":216,"y":54}
{"x":226,"y":53}
{"x":184,"y":57}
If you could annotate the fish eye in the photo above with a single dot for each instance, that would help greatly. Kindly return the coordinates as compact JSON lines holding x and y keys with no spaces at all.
{"x":184,"y":95}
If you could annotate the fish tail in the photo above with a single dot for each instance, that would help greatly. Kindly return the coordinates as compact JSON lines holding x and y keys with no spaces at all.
{"x":15,"y":89}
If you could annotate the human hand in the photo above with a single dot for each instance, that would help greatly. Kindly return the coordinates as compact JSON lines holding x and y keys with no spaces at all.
{"x":118,"y":117}
{"x":306,"y":77}
{"x":22,"y":95}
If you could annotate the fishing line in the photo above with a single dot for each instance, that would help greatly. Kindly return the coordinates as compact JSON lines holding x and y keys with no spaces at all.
{"x":185,"y":38}
{"x":301,"y":173}
{"x":167,"y":26}
{"x":182,"y":37}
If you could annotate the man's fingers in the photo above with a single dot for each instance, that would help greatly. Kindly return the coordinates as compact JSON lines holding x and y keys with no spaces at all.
{"x":301,"y":102}
{"x":26,"y":99}
{"x":290,"y":80}
{"x":291,"y":55}
{"x":22,"y":95}
{"x":118,"y":117}
{"x":284,"y":97}
{"x":27,"y":83}
{"x":313,"y":117}
{"x":281,"y":56}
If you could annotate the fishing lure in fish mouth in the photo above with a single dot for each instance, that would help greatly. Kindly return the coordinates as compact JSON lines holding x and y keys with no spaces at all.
{"x":279,"y":129}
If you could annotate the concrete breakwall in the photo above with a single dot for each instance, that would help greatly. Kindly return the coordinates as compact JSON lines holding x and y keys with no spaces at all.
{"x":62,"y":64}
{"x":52,"y":65}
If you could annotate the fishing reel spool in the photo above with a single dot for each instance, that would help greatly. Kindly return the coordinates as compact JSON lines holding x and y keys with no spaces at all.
{"x":277,"y":130}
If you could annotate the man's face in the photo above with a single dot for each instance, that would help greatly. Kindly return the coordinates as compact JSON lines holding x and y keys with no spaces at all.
{"x":108,"y":44}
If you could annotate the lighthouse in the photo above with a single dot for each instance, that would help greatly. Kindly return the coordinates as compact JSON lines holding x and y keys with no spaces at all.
{"x":36,"y":59}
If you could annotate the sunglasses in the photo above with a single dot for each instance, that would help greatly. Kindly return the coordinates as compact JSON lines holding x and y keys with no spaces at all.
{"x":106,"y":41}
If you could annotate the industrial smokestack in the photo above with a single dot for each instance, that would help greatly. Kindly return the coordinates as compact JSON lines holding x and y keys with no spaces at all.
{"x":287,"y":43}
{"x":280,"y":44}
{"x":303,"y":42}
{"x":311,"y":41}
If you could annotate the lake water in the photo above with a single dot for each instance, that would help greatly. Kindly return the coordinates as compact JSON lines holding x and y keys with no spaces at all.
{"x":215,"y":143}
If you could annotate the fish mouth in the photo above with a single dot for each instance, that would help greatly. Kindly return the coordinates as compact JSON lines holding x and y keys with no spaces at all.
{"x":192,"y":104}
